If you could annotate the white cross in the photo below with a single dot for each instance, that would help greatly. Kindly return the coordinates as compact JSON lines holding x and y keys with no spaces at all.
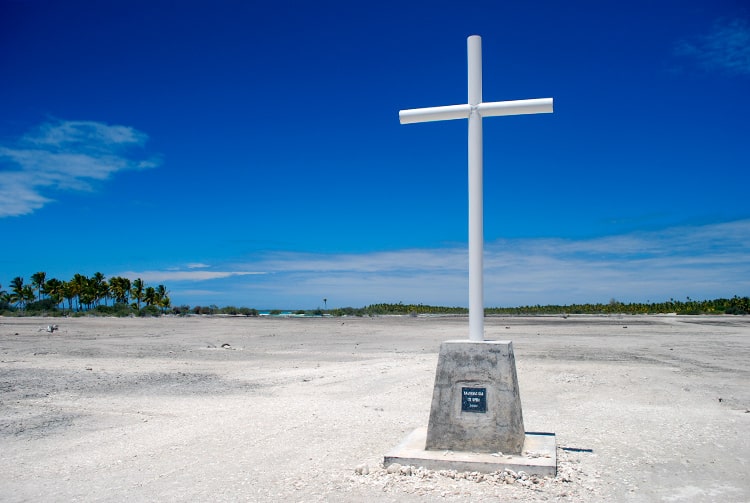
{"x":474,"y":111}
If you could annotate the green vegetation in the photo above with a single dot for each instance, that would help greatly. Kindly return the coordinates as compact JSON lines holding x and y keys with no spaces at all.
{"x":96,"y":296}
{"x":735,"y":305}
{"x":83,"y":294}
{"x":400,"y":308}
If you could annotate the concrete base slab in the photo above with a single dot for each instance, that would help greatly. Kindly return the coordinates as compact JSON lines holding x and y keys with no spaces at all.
{"x":539,"y":456}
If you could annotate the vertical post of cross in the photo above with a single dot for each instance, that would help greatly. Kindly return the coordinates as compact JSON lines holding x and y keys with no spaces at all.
{"x":476,"y":193}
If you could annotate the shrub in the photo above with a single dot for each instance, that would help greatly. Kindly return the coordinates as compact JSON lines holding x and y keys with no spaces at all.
{"x":735,"y":310}
{"x":118,"y":309}
{"x":248,"y":312}
{"x":149,"y":311}
{"x":47,"y":306}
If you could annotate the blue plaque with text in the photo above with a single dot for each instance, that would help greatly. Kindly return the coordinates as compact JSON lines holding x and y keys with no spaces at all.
{"x":474,"y":400}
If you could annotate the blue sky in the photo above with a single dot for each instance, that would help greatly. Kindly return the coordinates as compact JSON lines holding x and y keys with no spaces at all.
{"x":250,"y":153}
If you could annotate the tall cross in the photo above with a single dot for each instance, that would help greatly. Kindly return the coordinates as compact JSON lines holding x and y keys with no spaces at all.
{"x":474,"y":111}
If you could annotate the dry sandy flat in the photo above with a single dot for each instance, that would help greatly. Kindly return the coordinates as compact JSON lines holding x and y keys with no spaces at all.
{"x":644,"y":408}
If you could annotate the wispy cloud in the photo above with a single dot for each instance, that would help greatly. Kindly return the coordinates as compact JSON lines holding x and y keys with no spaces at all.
{"x":65,"y":155}
{"x":178,"y":275}
{"x":697,"y":261}
{"x":197,"y":265}
{"x":401,"y":261}
{"x":726,"y":47}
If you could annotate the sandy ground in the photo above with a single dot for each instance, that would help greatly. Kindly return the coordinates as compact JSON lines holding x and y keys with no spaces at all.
{"x":644,"y":408}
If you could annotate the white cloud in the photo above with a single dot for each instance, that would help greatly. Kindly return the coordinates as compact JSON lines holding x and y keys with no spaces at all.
{"x":376,"y":262}
{"x":726,"y":47}
{"x":698,"y":261}
{"x":65,"y":155}
{"x":172,"y":275}
{"x":88,"y":135}
{"x":197,"y":265}
{"x":200,"y":293}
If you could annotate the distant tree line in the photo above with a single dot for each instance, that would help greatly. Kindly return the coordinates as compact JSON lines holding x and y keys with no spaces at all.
{"x":214,"y":309}
{"x":735,"y":305}
{"x":394,"y":309}
{"x":119,"y":296}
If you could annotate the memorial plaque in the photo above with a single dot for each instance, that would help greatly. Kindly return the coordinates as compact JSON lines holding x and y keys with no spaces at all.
{"x":474,"y":400}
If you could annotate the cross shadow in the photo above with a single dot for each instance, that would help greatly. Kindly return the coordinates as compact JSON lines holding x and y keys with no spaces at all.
{"x":576,"y":449}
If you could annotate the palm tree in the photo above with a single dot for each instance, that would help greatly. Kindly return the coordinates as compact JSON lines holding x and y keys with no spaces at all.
{"x":38,"y":279}
{"x":16,"y":293}
{"x":165,"y":303}
{"x":136,"y":291}
{"x":4,"y":296}
{"x":162,"y":297}
{"x":119,"y":288}
{"x":79,"y":283}
{"x":99,"y":287}
{"x":87,"y":294}
{"x":68,"y":292}
{"x":28,"y":294}
{"x":150,"y":296}
{"x":53,"y":288}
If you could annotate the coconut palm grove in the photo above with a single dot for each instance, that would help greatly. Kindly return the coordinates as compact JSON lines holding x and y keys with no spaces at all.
{"x":94,"y":294}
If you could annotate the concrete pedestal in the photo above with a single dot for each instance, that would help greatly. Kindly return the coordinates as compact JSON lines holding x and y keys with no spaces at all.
{"x":476,"y":405}
{"x":476,"y":421}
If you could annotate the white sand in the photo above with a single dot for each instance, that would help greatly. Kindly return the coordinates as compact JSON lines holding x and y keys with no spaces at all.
{"x":155,"y":409}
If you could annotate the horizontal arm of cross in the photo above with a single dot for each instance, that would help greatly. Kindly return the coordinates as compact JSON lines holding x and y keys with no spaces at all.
{"x":434,"y":114}
{"x":492,"y":109}
{"x":518,"y":107}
